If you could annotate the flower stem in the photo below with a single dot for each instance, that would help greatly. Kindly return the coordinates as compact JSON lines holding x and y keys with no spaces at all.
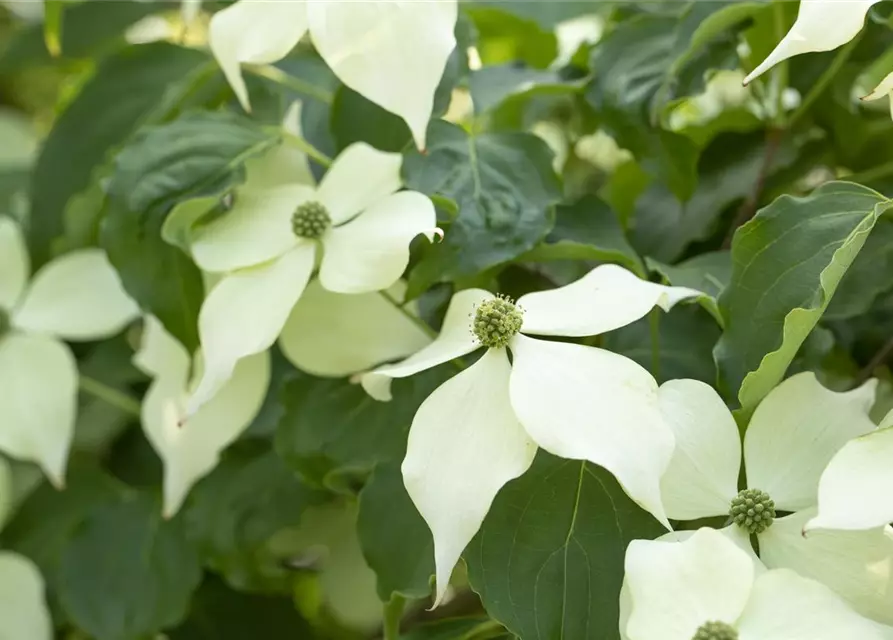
{"x":654,"y":323}
{"x":824,"y":80}
{"x":112,"y":396}
{"x":393,"y":614}
{"x":274,"y":74}
{"x":307,"y":148}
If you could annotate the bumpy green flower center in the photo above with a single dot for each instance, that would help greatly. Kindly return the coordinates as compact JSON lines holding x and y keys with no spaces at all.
{"x":310,"y":220}
{"x":715,"y":631}
{"x":753,"y":510}
{"x":496,"y":322}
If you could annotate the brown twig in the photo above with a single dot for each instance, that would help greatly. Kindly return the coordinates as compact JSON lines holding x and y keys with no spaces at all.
{"x":882,"y":355}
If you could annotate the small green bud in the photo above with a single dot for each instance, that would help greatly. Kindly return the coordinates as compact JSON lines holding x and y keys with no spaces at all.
{"x":496,"y":322}
{"x":310,"y":220}
{"x":715,"y":631}
{"x":753,"y":510}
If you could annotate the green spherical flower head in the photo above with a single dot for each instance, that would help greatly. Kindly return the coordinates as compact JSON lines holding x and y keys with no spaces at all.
{"x":753,"y":510}
{"x":715,"y":631}
{"x":310,"y":220}
{"x":496,"y":322}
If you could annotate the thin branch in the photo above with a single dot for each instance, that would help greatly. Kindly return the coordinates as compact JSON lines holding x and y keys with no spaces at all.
{"x":883,"y":354}
{"x":109,"y":395}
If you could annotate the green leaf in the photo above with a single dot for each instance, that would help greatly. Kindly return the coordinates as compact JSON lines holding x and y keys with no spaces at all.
{"x":587,"y":230}
{"x":452,"y":629}
{"x":548,"y":560}
{"x":332,"y":429}
{"x":128,"y":89}
{"x":869,"y":276}
{"x":356,"y":119}
{"x":234,"y":513}
{"x":492,"y":85}
{"x":127,"y":573}
{"x":52,"y":26}
{"x":396,"y":542}
{"x":787,"y":264}
{"x":196,"y":155}
{"x":505,"y":188}
{"x":504,"y":36}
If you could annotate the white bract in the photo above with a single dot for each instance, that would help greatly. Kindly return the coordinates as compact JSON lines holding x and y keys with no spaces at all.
{"x":482,"y":427}
{"x":821,"y":25}
{"x":190,"y":449}
{"x":393,"y":52}
{"x":76,"y":297}
{"x":707,"y":588}
{"x":356,"y":224}
{"x":884,"y":89}
{"x":793,"y":434}
{"x":23,"y":610}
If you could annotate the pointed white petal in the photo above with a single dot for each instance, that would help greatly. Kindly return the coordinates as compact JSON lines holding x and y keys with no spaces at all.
{"x":675,"y":587}
{"x":76,"y":297}
{"x":331,"y":334}
{"x":38,"y":397}
{"x":161,"y":355}
{"x":883,"y":89}
{"x":856,"y":488}
{"x":191,"y":449}
{"x":244,"y":315}
{"x":14,"y":263}
{"x":857,"y":565}
{"x":360,"y":177}
{"x":796,"y":431}
{"x":393,"y":53}
{"x":455,"y":340}
{"x":606,"y":298}
{"x":370,"y":252}
{"x":23,"y":610}
{"x":585,"y":403}
{"x":465,"y":443}
{"x":733,"y":532}
{"x":821,"y":25}
{"x":257,"y":32}
{"x":702,"y":477}
{"x":257,"y":228}
{"x":786,"y":606}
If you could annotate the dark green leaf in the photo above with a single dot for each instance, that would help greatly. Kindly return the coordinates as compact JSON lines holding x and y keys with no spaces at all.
{"x":356,"y":119}
{"x":868,"y":277}
{"x":707,"y":272}
{"x":396,"y":542}
{"x":548,"y":560}
{"x":450,"y":629}
{"x":787,"y":263}
{"x":196,"y":155}
{"x":127,"y":573}
{"x":504,"y":186}
{"x":492,"y":85}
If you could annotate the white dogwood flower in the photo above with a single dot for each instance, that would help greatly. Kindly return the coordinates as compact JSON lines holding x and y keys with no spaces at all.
{"x":23,"y":609}
{"x":356,"y":224}
{"x":793,"y":434}
{"x":76,"y":297}
{"x":482,"y":427}
{"x":393,"y":52}
{"x":821,"y":25}
{"x":190,"y":449}
{"x":707,"y":588}
{"x":883,"y":90}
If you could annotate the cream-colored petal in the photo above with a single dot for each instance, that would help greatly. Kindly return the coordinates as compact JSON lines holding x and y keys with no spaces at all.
{"x":24,"y":614}
{"x":821,"y":25}
{"x":584,"y":403}
{"x":360,"y":177}
{"x":258,"y":228}
{"x":787,"y":606}
{"x":883,"y":88}
{"x":191,"y":449}
{"x":794,"y":433}
{"x":465,"y":443}
{"x":702,"y":477}
{"x":675,"y":587}
{"x":255,"y":32}
{"x":332,"y":334}
{"x":244,"y":314}
{"x":391,"y":52}
{"x":160,"y":355}
{"x":606,"y":298}
{"x":38,"y":400}
{"x":857,"y":565}
{"x":14,"y":263}
{"x":371,"y":252}
{"x":76,"y":297}
{"x":455,"y":340}
{"x":856,"y":488}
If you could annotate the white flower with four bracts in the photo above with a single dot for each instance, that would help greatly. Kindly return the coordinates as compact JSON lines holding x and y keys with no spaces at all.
{"x":392,"y":52}
{"x":482,"y":427}
{"x":708,"y":588}
{"x":76,"y":297}
{"x":792,"y":435}
{"x":355,"y":224}
{"x":191,"y":449}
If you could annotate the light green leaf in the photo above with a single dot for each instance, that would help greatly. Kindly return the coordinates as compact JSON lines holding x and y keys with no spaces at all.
{"x":787,"y":264}
{"x":548,"y":560}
